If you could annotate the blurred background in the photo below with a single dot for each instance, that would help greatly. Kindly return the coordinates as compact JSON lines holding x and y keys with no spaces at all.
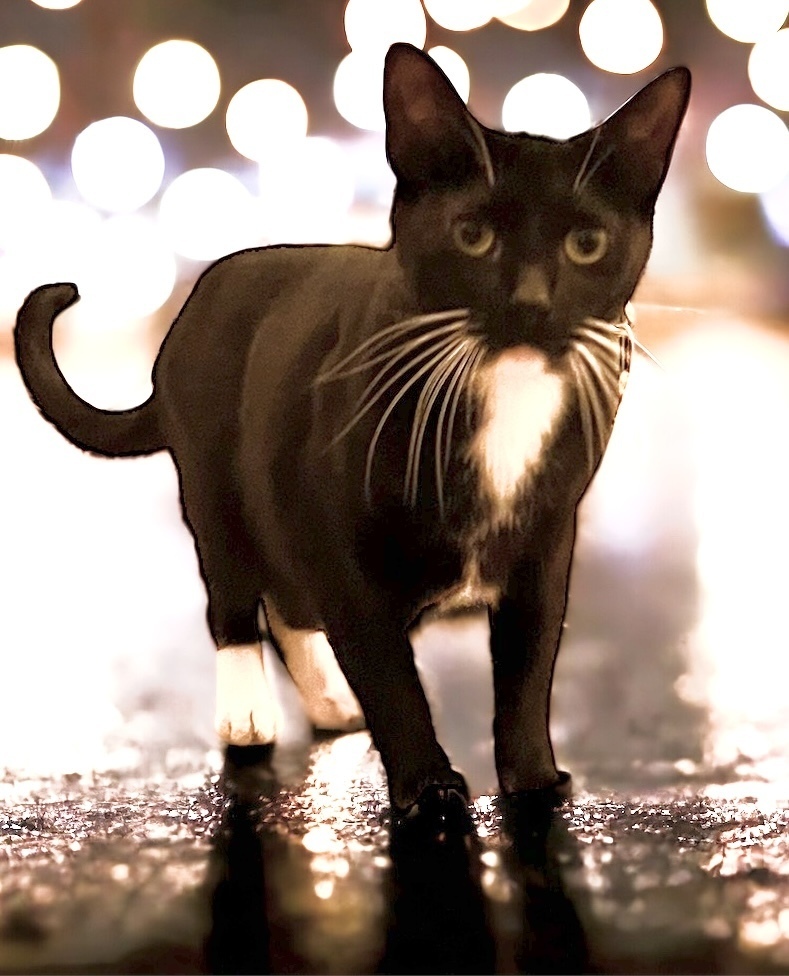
{"x":141,"y":140}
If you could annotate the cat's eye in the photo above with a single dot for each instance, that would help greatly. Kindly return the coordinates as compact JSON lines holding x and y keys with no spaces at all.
{"x":586,"y":245}
{"x":473,"y":237}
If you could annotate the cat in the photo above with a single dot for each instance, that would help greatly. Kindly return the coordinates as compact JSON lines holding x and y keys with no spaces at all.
{"x":362,"y":434}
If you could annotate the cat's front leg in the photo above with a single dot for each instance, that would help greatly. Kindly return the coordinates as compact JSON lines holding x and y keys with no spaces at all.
{"x":377,"y":659}
{"x":524,"y":640}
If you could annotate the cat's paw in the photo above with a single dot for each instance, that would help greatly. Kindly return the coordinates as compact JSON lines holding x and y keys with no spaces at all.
{"x":246,"y":710}
{"x":330,"y":704}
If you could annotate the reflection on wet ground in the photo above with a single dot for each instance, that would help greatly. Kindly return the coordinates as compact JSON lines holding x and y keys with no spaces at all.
{"x":126,"y":847}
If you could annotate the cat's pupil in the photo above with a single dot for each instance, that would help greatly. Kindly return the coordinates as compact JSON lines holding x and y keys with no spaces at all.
{"x":471,"y":232}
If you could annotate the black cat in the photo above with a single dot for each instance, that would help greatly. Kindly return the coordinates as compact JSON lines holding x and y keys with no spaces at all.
{"x":363,"y":434}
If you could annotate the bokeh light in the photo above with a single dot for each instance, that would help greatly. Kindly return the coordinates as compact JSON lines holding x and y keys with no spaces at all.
{"x":130,"y":273}
{"x":546,"y":105}
{"x":29,"y":91}
{"x":264,"y":116}
{"x":117,"y":164}
{"x":176,"y":84}
{"x":306,"y":194}
{"x":748,"y":20}
{"x":621,"y":36}
{"x":460,"y":15}
{"x":775,"y":207}
{"x":57,"y":4}
{"x":207,"y":213}
{"x":768,"y":69}
{"x":454,"y":67}
{"x":536,"y":15}
{"x":748,"y":148}
{"x":372,"y":25}
{"x":358,"y":84}
{"x":24,"y":196}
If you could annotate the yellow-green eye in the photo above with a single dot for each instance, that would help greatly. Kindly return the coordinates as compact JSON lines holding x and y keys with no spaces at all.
{"x":473,"y":237}
{"x":586,"y":245}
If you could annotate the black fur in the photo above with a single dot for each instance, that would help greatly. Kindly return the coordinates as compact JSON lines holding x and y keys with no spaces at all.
{"x":257,"y":380}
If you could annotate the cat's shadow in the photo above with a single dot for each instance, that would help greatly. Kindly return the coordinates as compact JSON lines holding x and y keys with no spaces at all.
{"x":439,"y":917}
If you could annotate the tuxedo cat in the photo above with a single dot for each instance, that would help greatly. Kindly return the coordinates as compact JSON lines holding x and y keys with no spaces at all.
{"x":363,"y":434}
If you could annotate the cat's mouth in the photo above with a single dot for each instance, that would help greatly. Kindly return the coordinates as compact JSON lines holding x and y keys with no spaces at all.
{"x":528,"y":326}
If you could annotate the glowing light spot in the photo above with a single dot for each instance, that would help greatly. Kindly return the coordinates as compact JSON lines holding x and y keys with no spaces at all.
{"x":375,"y":24}
{"x":546,"y":105}
{"x":24,"y":196}
{"x":306,"y":193}
{"x":176,"y":84}
{"x":57,"y":4}
{"x":460,"y":15}
{"x":535,"y":15}
{"x":206,"y":213}
{"x":265,"y":115}
{"x":321,"y":839}
{"x":29,"y":91}
{"x":454,"y":67}
{"x":130,"y":274}
{"x":324,"y":889}
{"x":748,"y":148}
{"x":357,"y":90}
{"x":775,"y":207}
{"x":621,"y":36}
{"x":748,"y":21}
{"x":767,"y":69}
{"x":117,"y":164}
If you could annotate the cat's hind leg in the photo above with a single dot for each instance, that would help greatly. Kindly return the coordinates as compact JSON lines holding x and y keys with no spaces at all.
{"x":328,"y":700}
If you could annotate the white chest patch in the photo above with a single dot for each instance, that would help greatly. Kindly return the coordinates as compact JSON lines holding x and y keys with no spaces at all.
{"x":522,"y":401}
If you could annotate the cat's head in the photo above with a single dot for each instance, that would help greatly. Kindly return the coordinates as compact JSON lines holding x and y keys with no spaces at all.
{"x":532,"y":234}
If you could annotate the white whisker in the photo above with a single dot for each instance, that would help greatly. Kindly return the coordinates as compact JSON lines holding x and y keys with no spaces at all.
{"x":424,"y":407}
{"x":451,"y":394}
{"x":585,"y":163}
{"x":363,"y":407}
{"x":608,"y":383}
{"x":465,"y":381}
{"x":393,"y":403}
{"x":583,"y":411}
{"x":587,"y":378}
{"x":393,"y":331}
{"x":592,"y":170}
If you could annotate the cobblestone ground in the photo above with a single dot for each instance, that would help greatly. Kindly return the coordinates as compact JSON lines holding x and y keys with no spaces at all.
{"x":125,"y":848}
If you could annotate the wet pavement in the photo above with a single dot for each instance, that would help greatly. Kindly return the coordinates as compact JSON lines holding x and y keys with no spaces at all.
{"x":126,"y":847}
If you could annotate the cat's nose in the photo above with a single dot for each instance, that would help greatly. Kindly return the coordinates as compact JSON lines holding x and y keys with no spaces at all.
{"x":532,"y":287}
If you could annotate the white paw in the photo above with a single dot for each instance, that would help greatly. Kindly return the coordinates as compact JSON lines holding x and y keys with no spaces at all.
{"x":246,"y":711}
{"x":328,"y":700}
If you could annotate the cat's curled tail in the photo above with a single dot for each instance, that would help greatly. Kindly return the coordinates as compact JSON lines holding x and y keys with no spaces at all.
{"x":111,"y":433}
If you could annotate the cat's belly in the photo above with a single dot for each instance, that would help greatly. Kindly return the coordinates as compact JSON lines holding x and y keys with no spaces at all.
{"x":522,"y":402}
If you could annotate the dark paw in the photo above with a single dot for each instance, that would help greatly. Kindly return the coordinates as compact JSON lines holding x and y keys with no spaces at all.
{"x":247,"y":771}
{"x":528,"y":814}
{"x":441,"y":811}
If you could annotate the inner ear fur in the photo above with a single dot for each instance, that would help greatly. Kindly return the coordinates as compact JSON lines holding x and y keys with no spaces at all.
{"x":430,"y":134}
{"x":639,"y":137}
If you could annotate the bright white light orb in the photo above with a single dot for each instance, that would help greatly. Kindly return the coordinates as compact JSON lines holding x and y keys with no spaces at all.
{"x":546,"y":105}
{"x":24,"y":197}
{"x":748,"y":148}
{"x":117,"y":164}
{"x":621,"y":36}
{"x":176,"y":84}
{"x":207,"y":213}
{"x":454,"y":67}
{"x":56,"y":4}
{"x":375,"y":24}
{"x":461,"y":15}
{"x":748,"y":20}
{"x":768,"y":69}
{"x":306,"y":195}
{"x":29,"y":91}
{"x":775,"y":206}
{"x":264,"y":116}
{"x":358,"y":83}
{"x":535,"y":15}
{"x":131,"y":273}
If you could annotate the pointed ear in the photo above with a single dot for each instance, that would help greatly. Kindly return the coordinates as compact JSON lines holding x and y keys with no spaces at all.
{"x":430,"y":134}
{"x":639,"y":137}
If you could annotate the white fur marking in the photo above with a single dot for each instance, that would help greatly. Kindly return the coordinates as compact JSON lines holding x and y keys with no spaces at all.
{"x":327,"y":696}
{"x":522,"y":400}
{"x":246,"y":711}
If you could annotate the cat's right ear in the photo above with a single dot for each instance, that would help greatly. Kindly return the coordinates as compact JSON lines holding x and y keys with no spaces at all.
{"x":430,"y":134}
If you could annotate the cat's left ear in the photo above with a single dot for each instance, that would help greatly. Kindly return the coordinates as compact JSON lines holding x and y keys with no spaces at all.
{"x":640,"y":136}
{"x":430,"y":134}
